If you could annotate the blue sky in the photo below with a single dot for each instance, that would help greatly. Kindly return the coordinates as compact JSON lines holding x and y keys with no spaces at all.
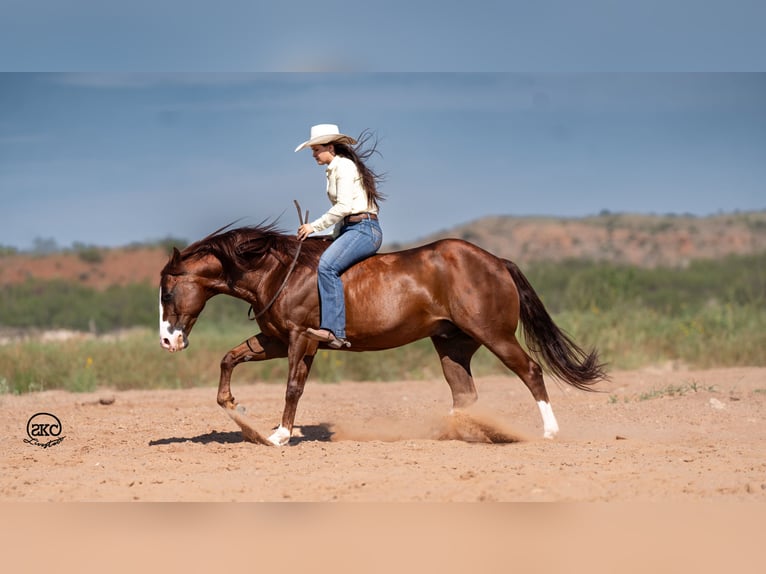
{"x":109,"y":159}
{"x":390,"y":35}
{"x":123,"y":122}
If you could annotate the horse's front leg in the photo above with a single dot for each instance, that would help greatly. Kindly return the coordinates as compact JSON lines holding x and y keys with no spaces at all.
{"x":300,"y":357}
{"x":257,"y":348}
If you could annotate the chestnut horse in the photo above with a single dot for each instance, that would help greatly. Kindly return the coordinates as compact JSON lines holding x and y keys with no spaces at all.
{"x":452,"y":291}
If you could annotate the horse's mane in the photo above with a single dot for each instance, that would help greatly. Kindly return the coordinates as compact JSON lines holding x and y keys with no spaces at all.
{"x":239,"y":249}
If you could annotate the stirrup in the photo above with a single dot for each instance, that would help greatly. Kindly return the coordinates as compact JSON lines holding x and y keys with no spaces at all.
{"x":328,"y":337}
{"x":336,"y":343}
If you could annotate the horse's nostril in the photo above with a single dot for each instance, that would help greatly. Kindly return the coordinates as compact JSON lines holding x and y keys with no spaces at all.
{"x":166,"y":342}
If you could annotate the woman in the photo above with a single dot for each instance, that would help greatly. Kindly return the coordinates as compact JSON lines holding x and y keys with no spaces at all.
{"x":352,"y":190}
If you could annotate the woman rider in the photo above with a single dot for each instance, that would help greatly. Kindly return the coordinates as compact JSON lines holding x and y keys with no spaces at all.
{"x":352,"y":190}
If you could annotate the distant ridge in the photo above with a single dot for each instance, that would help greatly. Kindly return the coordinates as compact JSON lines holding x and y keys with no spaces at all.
{"x":640,"y":240}
{"x":631,"y":239}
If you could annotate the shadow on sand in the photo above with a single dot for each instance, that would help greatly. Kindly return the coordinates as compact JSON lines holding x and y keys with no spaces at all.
{"x":306,"y":433}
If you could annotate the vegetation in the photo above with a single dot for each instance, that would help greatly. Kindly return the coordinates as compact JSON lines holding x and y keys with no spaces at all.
{"x":710,"y":314}
{"x":65,"y":305}
{"x":167,"y":244}
{"x":581,"y":286}
{"x":667,"y":391}
{"x":88,"y":253}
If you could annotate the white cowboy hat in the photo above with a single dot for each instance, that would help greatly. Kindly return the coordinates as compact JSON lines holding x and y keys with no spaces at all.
{"x":324,"y":134}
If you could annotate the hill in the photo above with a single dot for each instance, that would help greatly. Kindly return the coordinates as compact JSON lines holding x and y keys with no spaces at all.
{"x":640,"y":240}
{"x":97,"y":268}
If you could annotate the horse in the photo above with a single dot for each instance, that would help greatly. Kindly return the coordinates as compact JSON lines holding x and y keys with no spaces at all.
{"x":451,"y":290}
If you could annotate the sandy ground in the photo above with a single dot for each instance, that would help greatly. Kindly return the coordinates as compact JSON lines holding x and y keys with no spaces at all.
{"x":662,"y":472}
{"x":652,"y":435}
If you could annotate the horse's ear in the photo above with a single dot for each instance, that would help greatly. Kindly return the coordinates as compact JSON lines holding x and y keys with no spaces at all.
{"x":175,"y":259}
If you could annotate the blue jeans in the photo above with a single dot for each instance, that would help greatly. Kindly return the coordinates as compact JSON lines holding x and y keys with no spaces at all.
{"x":357,"y":241}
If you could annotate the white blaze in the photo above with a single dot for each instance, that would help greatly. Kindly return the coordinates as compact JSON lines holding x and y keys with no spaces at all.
{"x":170,"y":339}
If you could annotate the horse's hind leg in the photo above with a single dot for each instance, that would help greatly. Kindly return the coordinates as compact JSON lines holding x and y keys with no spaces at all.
{"x":455,"y":353}
{"x":512,"y":355}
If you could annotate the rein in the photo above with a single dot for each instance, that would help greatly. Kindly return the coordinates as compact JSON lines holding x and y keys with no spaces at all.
{"x":302,"y":220}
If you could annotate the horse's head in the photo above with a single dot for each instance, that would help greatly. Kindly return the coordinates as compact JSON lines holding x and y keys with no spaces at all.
{"x":213,"y":265}
{"x":183,"y":295}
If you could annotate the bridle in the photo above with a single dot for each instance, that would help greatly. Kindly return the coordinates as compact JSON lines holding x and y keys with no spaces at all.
{"x":268,"y":305}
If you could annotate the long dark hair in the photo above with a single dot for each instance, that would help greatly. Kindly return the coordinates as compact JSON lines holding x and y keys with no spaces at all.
{"x":359,"y":155}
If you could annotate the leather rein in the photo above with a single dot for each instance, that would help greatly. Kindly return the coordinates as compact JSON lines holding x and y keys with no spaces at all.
{"x":302,"y":220}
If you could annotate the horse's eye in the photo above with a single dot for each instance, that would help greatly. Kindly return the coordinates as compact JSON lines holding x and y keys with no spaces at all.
{"x":167,"y":297}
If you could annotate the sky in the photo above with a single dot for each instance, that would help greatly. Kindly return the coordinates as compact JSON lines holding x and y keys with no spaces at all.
{"x":122,"y":124}
{"x":390,"y":35}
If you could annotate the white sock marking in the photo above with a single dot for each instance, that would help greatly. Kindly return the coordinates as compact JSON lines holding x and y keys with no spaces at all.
{"x":280,"y":437}
{"x":550,"y":426}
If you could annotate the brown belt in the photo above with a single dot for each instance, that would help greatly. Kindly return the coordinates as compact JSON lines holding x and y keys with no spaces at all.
{"x":357,"y":217}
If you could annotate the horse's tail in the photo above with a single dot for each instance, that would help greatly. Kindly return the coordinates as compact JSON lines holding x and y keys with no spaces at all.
{"x":545,"y":339}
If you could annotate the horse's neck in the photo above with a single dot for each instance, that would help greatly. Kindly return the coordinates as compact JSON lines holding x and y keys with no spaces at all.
{"x":256,"y":285}
{"x":244,"y":293}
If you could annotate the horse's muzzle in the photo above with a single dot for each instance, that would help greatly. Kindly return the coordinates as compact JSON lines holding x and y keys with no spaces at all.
{"x":175,"y":341}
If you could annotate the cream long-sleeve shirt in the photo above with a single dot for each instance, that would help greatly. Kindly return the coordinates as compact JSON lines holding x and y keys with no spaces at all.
{"x":345,"y":192}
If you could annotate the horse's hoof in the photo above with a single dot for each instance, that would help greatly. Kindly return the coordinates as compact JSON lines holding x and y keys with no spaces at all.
{"x":280,"y":437}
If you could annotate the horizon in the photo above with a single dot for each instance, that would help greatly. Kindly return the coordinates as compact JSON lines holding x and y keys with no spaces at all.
{"x":48,"y":246}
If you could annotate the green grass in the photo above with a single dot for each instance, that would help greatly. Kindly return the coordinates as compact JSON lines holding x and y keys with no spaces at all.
{"x":709,"y":314}
{"x":718,"y":335}
{"x":581,"y":285}
{"x":667,"y":391}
